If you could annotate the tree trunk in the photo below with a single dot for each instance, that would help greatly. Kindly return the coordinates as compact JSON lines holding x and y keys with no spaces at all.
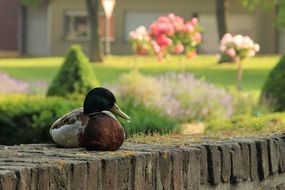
{"x":95,"y":46}
{"x":221,"y":13}
{"x":239,"y":75}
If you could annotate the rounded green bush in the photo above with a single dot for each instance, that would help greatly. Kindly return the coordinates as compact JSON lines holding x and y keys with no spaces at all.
{"x":273,"y":91}
{"x":75,"y":77}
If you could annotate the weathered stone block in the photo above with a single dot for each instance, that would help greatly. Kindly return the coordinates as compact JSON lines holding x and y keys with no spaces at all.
{"x":245,"y":160}
{"x":94,"y":174}
{"x":191,"y":168}
{"x":280,"y":186}
{"x":110,"y":173}
{"x":125,"y":173}
{"x":225,"y":162}
{"x":60,"y":175}
{"x":151,"y":171}
{"x":140,"y":171}
{"x":203,"y":165}
{"x":79,"y":175}
{"x":236,"y":163}
{"x":214,"y":164}
{"x":262,"y":158}
{"x":253,"y":161}
{"x":273,"y":156}
{"x":8,"y":180}
{"x":281,"y":154}
{"x":177,"y":169}
{"x":43,"y":177}
{"x":165,"y":170}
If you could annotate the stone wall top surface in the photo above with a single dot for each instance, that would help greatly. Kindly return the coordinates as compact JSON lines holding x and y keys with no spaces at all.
{"x":211,"y":163}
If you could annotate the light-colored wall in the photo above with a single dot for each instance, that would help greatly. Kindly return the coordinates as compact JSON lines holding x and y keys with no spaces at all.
{"x":60,"y":45}
{"x":37,"y":31}
{"x":257,"y":24}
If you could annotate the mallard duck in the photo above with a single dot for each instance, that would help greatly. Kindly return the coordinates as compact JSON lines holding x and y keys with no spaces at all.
{"x":93,"y":126}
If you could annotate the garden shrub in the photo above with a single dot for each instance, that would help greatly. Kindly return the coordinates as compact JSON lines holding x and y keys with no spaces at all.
{"x":75,"y":77}
{"x":273,"y":91}
{"x":27,"y":119}
{"x":243,"y":103}
{"x":145,"y":119}
{"x":181,"y":97}
{"x":189,"y":99}
{"x":273,"y":122}
{"x":142,"y":89}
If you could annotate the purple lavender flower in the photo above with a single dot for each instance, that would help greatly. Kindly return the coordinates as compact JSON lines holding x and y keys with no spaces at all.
{"x":182,"y":97}
{"x":10,"y":85}
{"x":189,"y":99}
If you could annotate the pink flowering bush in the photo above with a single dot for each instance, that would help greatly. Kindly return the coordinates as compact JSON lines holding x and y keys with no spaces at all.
{"x":236,"y":48}
{"x":169,"y":34}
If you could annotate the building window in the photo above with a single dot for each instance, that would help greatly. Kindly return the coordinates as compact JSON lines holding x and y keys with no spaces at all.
{"x":77,"y":26}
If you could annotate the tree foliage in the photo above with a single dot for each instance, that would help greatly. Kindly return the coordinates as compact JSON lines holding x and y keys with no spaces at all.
{"x":279,"y":5}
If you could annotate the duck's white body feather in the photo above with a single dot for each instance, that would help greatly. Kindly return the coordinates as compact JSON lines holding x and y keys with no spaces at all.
{"x":67,"y":130}
{"x":68,"y":135}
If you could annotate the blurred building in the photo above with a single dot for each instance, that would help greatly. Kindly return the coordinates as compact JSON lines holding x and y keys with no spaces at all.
{"x":9,"y":27}
{"x":51,"y":28}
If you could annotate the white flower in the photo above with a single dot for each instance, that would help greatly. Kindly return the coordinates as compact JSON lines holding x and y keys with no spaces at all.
{"x":222,"y":48}
{"x":256,"y":47}
{"x":227,"y":38}
{"x":238,"y":46}
{"x":139,"y":34}
{"x":247,"y":42}
{"x":238,"y":40}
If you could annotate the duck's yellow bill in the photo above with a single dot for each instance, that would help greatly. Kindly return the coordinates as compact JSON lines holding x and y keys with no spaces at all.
{"x":116,"y":110}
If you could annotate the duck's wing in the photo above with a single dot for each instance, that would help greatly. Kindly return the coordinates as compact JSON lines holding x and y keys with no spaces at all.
{"x":70,"y":118}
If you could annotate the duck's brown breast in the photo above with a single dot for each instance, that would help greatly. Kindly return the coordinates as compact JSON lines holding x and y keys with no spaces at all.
{"x":103,"y":133}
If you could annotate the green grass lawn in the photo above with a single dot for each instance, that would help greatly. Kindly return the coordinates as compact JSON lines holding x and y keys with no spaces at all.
{"x":205,"y":66}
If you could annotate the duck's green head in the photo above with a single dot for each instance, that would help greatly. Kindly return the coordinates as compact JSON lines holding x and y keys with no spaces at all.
{"x":100,"y":99}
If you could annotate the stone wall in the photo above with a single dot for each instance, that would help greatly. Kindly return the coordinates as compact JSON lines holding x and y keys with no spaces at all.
{"x":256,"y":163}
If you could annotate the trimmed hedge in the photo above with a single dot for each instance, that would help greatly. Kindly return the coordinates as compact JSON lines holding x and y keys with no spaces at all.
{"x":75,"y":77}
{"x":27,"y":119}
{"x":273,"y":91}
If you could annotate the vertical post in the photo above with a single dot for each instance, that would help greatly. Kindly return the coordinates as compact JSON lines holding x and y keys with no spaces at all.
{"x":108,"y":38}
{"x":239,"y":75}
{"x":108,"y":6}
